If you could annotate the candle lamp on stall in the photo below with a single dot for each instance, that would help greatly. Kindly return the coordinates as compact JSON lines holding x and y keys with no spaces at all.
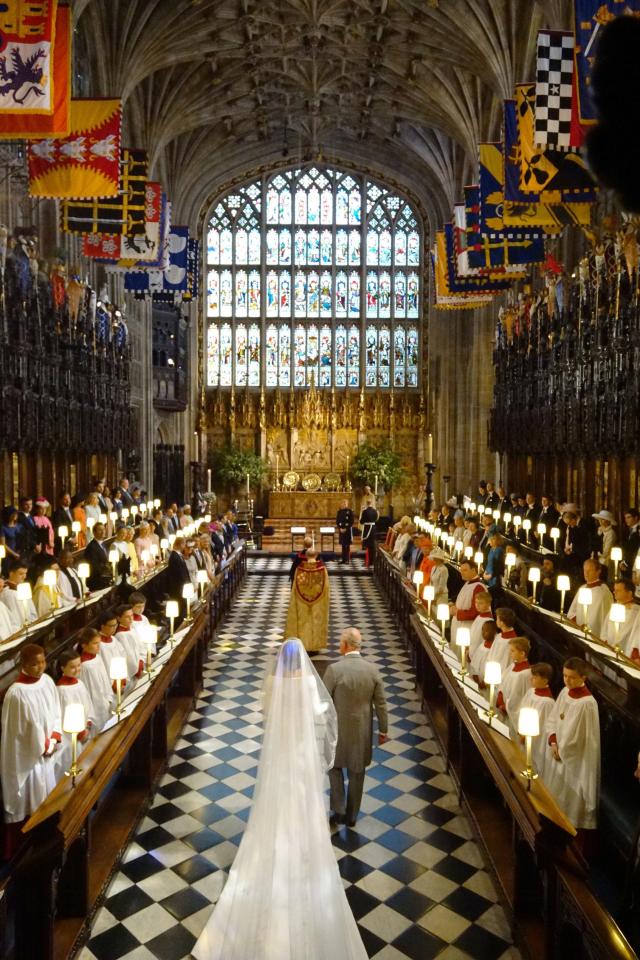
{"x":50,"y":580}
{"x":134,"y":512}
{"x":76,"y":528}
{"x":529,"y":727}
{"x":563,"y":584}
{"x":84,"y":572}
{"x":526,"y":526}
{"x":114,"y":558}
{"x":617,"y":615}
{"x":496,"y":515}
{"x":517,"y":520}
{"x":157,"y":502}
{"x":463,"y":640}
{"x":172,"y":612}
{"x":506,"y":518}
{"x":479,"y":559}
{"x":164,"y":547}
{"x":150,"y":640}
{"x":555,"y":536}
{"x":203,"y":579}
{"x":23,"y":594}
{"x":118,"y":673}
{"x":74,"y":722}
{"x":541,"y":530}
{"x":113,"y":516}
{"x":154,"y":550}
{"x":443,"y":616}
{"x":91,"y":522}
{"x":493,"y":679}
{"x":188,"y":594}
{"x":418,"y":579}
{"x":450,"y":544}
{"x":534,"y":580}
{"x":468,"y":553}
{"x":145,"y":557}
{"x":103,"y":519}
{"x":124,"y":514}
{"x":585,"y":599}
{"x":63,"y":533}
{"x":428,"y":595}
{"x":616,"y":556}
{"x":510,"y":562}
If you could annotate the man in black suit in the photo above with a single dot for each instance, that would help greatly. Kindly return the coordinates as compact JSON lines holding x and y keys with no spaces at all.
{"x":127,"y":499}
{"x":550,"y":517}
{"x":631,"y":542}
{"x":577,"y":546}
{"x":28,"y":539}
{"x":98,"y":488}
{"x":491,"y":499}
{"x":62,"y":517}
{"x":344,"y":523}
{"x":177,"y":570}
{"x":97,"y":556}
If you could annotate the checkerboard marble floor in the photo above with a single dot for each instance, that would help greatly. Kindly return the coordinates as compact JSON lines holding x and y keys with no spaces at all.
{"x":414,"y":876}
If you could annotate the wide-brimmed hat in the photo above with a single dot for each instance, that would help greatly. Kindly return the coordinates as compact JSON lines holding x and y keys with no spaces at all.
{"x":570,"y":508}
{"x":437,"y":554}
{"x":604,"y":515}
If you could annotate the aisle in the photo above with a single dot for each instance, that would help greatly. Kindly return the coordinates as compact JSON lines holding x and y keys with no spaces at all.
{"x":414,"y":878}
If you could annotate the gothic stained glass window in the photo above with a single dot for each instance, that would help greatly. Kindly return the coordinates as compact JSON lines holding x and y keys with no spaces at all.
{"x":313,"y":274}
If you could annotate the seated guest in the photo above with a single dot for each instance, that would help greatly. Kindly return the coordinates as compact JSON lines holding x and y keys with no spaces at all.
{"x":9,"y":535}
{"x":505,"y":622}
{"x":177,"y":571}
{"x":230,"y":523}
{"x":31,"y":733}
{"x":68,"y":583}
{"x":458,"y":527}
{"x":472,"y":535}
{"x":626,"y":634}
{"x":439,"y":578}
{"x":483,"y":604}
{"x":191,"y":562}
{"x":134,"y":564}
{"x":607,"y":538}
{"x":494,"y":568}
{"x":43,"y":524}
{"x":517,"y":575}
{"x":71,"y":689}
{"x":7,"y":626}
{"x":125,"y":495}
{"x":46,"y":598}
{"x":487,"y":529}
{"x":95,"y":675}
{"x":204,"y":542}
{"x":402,"y":540}
{"x":576,"y":542}
{"x":63,"y":517}
{"x":28,"y":538}
{"x":426,"y":563}
{"x":80,"y":516}
{"x":445,"y":517}
{"x":482,"y":654}
{"x":601,"y":600}
{"x":217,"y":540}
{"x":414,"y":554}
{"x":134,"y":648}
{"x":464,"y":610}
{"x":19,"y":610}
{"x":158,"y":524}
{"x":92,"y":510}
{"x":540,"y":698}
{"x":515,"y":681}
{"x":503,"y":504}
{"x":143,"y":542}
{"x":550,"y":517}
{"x":138,"y":603}
{"x":631,"y":541}
{"x":549,"y":597}
{"x":531,"y":512}
{"x":573,"y":730}
{"x":491,"y":497}
{"x":97,"y":556}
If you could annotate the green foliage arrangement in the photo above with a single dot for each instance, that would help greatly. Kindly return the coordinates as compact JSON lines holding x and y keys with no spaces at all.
{"x":231,"y":466}
{"x":379,"y":460}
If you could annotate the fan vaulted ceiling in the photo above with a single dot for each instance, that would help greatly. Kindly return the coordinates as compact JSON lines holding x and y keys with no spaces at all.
{"x":220,"y":89}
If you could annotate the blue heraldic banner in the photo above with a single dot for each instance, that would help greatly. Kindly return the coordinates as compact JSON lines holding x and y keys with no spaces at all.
{"x":459,"y":284}
{"x":590,"y":18}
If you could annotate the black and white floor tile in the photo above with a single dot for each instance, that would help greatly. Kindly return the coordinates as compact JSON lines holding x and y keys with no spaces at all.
{"x":414,"y":876}
{"x":275,"y":564}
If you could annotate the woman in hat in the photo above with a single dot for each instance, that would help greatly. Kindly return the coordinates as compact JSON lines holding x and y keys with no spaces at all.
{"x":608,"y":539}
{"x":42,"y":522}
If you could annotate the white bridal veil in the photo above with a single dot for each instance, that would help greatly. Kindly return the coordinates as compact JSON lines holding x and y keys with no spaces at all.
{"x":284,"y":898}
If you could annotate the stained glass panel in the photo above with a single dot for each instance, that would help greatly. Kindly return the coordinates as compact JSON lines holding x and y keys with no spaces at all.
{"x":285,"y":293}
{"x":341,"y":356}
{"x":226,"y":294}
{"x":254,"y":294}
{"x":242,"y":246}
{"x":226,"y":355}
{"x":354,"y":206}
{"x":401,"y":294}
{"x":326,"y":247}
{"x":272,"y":246}
{"x":372,"y":248}
{"x":354,"y":248}
{"x":213,"y":246}
{"x":241,"y":355}
{"x":254,"y":355}
{"x":272,"y":294}
{"x":313,"y":299}
{"x":213,"y":356}
{"x":285,"y":247}
{"x":313,"y":205}
{"x":254,"y":246}
{"x":353,"y":357}
{"x":399,"y":357}
{"x":412,"y":357}
{"x":342,"y":207}
{"x":372,"y":294}
{"x":401,"y":248}
{"x":299,"y":356}
{"x":241,"y":293}
{"x":271,"y":355}
{"x":412,"y":295}
{"x":341,"y":294}
{"x":284,"y":206}
{"x":313,"y":354}
{"x":384,"y":295}
{"x":371,"y":366}
{"x":301,"y":295}
{"x":300,"y":248}
{"x":325,"y":294}
{"x":413,"y":252}
{"x":384,"y":357}
{"x":326,"y":207}
{"x":354,"y":294}
{"x":301,"y":206}
{"x":313,"y":247}
{"x":272,"y":205}
{"x":284,"y":375}
{"x":225,"y":247}
{"x":342,"y":248}
{"x":385,"y":249}
{"x":325,"y":356}
{"x":213,"y":294}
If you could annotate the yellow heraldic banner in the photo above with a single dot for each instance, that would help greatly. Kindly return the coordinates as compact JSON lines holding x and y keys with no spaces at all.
{"x":444,"y":299}
{"x":85,"y":164}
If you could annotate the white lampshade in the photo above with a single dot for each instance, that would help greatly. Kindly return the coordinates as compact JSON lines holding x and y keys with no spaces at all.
{"x":636,"y":563}
{"x":118,"y":668}
{"x":63,"y":532}
{"x":555,"y":533}
{"x":202,"y":576}
{"x":91,"y":522}
{"x":84,"y":571}
{"x":150,"y":634}
{"x":172,"y":538}
{"x":156,"y":503}
{"x":492,"y":672}
{"x":3,"y":551}
{"x":507,"y":517}
{"x":418,"y":576}
{"x":73,"y":720}
{"x":479,"y":557}
{"x":542,"y":529}
{"x":143,"y":509}
{"x":528,"y":722}
{"x":164,"y":544}
{"x":429,"y":593}
{"x":442,"y":612}
{"x":188,"y":591}
{"x":103,"y":518}
{"x":49,"y":578}
{"x":457,"y":547}
{"x":517,"y":520}
{"x":149,"y":505}
{"x":207,"y":518}
{"x":496,"y":514}
{"x":468,"y":552}
{"x":585,"y":596}
{"x":76,"y":526}
{"x":145,"y":556}
{"x":124,"y":513}
{"x":437,"y":533}
{"x":450,"y":541}
{"x":481,"y":509}
{"x":172,"y":610}
{"x":154,"y":550}
{"x":114,"y":555}
{"x":23,"y":591}
{"x":416,"y":520}
{"x":463,"y":637}
{"x":534,"y":575}
{"x":472,"y":507}
{"x":616,"y":554}
{"x":617,"y":613}
{"x":113,"y":516}
{"x":134,"y":511}
{"x":563,"y":583}
{"x":510,"y":560}
{"x":526,"y":524}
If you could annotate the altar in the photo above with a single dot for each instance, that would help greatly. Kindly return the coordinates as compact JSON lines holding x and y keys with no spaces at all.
{"x":307,"y":504}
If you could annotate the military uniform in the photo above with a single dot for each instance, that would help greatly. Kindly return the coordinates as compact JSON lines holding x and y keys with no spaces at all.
{"x":344,"y":523}
{"x":368,"y":520}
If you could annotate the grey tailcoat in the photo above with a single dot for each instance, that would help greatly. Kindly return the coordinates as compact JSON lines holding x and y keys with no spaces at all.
{"x":356,"y":688}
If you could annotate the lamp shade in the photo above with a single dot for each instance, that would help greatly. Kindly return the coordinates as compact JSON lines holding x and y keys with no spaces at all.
{"x":616,"y":554}
{"x":113,"y":516}
{"x":154,"y":550}
{"x":442,"y":612}
{"x":84,"y":571}
{"x":3,"y":551}
{"x":617,"y":613}
{"x":510,"y":560}
{"x":463,"y":637}
{"x":114,"y":555}
{"x":429,"y":592}
{"x":150,"y":634}
{"x":473,"y":507}
{"x":507,"y":517}
{"x":555,"y":533}
{"x":528,"y":722}
{"x":118,"y":668}
{"x":479,"y":557}
{"x":496,"y":514}
{"x":188,"y":591}
{"x":563,"y":583}
{"x":416,"y":520}
{"x":526,"y":524}
{"x":172,"y":609}
{"x":172,"y":538}
{"x":468,"y":552}
{"x":542,"y":529}
{"x":23,"y":591}
{"x":164,"y":544}
{"x":585,"y":596}
{"x":156,"y":503}
{"x":49,"y":578}
{"x":202,"y":576}
{"x":76,"y":526}
{"x":145,"y":556}
{"x":418,"y":576}
{"x":91,"y":522}
{"x":457,"y":547}
{"x":207,"y":518}
{"x":492,"y":672}
{"x":63,"y":532}
{"x":517,"y":520}
{"x":103,"y":518}
{"x":74,"y":720}
{"x":437,"y":533}
{"x":534,"y":575}
{"x":450,"y":541}
{"x":480,"y":509}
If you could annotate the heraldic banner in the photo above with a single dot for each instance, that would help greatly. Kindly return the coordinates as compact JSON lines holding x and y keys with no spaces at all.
{"x":85,"y":164}
{"x":35,"y":70}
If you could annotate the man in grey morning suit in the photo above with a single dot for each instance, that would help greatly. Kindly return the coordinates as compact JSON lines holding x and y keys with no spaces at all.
{"x":356,"y":689}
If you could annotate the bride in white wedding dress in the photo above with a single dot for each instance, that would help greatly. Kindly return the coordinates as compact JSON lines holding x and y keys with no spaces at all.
{"x":284,"y":898}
